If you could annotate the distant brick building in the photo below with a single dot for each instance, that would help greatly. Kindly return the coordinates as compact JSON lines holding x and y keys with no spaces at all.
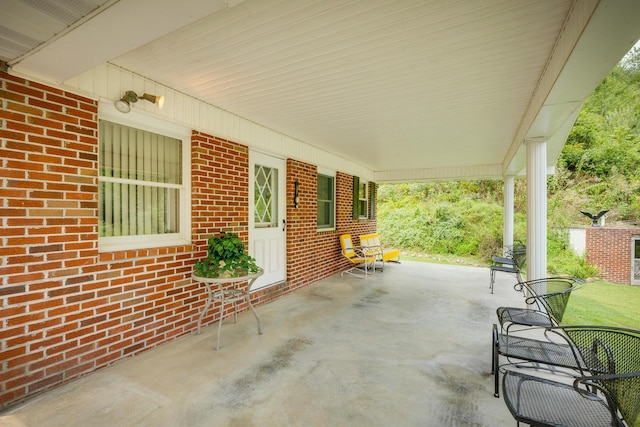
{"x":614,"y":250}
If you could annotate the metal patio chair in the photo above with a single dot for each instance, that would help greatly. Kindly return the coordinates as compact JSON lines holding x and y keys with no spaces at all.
{"x":512,"y":263}
{"x":360,"y":259}
{"x":546,"y":309}
{"x":553,"y":352}
{"x":371,"y":243}
{"x":597,"y":398}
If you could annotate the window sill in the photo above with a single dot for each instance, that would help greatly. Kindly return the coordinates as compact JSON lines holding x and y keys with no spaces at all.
{"x":126,"y":243}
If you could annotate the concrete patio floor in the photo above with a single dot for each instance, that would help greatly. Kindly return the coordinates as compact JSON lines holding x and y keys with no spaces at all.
{"x":407,"y":347}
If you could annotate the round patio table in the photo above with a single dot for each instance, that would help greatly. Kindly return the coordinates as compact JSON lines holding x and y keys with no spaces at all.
{"x":228,"y":290}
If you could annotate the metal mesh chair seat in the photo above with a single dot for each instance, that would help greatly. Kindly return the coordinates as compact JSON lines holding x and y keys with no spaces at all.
{"x":560,"y":355}
{"x":541,"y":402}
{"x":608,"y":394}
{"x":523,"y":316}
{"x":550,"y":353}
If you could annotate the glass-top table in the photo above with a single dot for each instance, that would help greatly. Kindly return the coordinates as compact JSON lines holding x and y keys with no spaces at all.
{"x":228,"y":290}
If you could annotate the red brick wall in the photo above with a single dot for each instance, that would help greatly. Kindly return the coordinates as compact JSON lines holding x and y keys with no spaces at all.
{"x":303,"y":245}
{"x":219,"y":201}
{"x":51,"y":280}
{"x":67,"y":310}
{"x":609,"y":248}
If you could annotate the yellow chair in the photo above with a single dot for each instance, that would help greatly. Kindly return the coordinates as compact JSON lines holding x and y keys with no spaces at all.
{"x":371,"y":244}
{"x":361,"y":261}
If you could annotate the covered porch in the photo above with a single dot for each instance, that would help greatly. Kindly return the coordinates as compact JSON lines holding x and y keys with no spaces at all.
{"x":341,"y":92}
{"x":410,"y":346}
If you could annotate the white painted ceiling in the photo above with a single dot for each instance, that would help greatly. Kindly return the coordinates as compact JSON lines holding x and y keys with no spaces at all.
{"x":406,"y":88}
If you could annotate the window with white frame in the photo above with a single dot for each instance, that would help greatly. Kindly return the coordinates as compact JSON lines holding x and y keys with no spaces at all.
{"x":326,"y":201}
{"x":143,"y":187}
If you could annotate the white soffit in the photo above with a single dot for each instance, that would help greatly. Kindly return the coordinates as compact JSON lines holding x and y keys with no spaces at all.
{"x":393,"y":85}
{"x":112,"y":30}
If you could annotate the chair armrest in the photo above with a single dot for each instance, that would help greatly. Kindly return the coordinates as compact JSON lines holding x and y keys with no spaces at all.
{"x":362,"y":252}
{"x":535,"y":300}
{"x":372,"y":247}
{"x":626,"y":390}
{"x":596,"y":380}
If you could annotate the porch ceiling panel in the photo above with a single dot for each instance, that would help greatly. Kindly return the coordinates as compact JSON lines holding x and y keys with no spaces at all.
{"x":408,"y":89}
{"x":391,"y":84}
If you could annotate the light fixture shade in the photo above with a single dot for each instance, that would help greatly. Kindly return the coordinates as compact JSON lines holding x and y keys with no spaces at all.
{"x":158,"y":100}
{"x":124,"y":104}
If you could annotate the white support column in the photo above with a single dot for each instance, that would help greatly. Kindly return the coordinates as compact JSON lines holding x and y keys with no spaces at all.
{"x":507,"y":236}
{"x":536,"y":210}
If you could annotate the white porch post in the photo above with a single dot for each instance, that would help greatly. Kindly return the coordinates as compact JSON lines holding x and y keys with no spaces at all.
{"x":536,"y":210}
{"x":507,"y":236}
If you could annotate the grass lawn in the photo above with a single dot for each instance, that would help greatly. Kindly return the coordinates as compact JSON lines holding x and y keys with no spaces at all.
{"x":596,"y":303}
{"x":604,"y":303}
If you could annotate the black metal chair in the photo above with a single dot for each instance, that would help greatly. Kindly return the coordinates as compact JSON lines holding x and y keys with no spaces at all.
{"x":553,"y":352}
{"x":513,"y":263}
{"x":547,"y":308}
{"x":596,"y":399}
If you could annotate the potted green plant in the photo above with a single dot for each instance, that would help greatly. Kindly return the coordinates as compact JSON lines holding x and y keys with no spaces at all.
{"x":226,"y":257}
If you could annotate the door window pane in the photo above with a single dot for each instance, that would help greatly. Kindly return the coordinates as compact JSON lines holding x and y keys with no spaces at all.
{"x":265,"y":196}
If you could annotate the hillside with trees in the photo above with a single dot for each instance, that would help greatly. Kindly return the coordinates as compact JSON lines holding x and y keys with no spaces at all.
{"x":599,"y":168}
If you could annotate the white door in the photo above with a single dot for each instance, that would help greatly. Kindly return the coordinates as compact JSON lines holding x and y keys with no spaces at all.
{"x":267,"y":210}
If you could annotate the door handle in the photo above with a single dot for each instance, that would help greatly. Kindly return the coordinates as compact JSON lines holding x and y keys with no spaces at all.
{"x":284,"y":224}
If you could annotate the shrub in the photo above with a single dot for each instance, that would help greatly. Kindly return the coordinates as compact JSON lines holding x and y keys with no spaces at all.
{"x":562,"y":260}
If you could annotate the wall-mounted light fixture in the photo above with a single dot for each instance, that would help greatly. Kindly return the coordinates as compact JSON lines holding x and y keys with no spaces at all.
{"x":296,"y":194}
{"x":124,"y":104}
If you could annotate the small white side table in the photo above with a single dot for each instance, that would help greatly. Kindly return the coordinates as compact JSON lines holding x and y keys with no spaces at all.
{"x":227,"y":290}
